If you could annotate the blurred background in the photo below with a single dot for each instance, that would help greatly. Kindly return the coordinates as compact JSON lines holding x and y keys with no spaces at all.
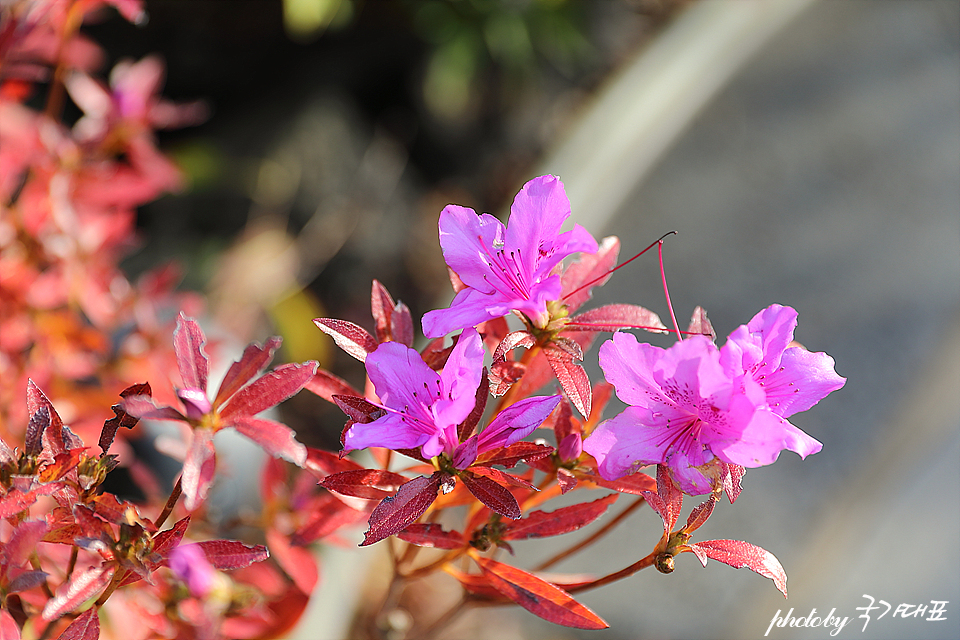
{"x":807,"y":154}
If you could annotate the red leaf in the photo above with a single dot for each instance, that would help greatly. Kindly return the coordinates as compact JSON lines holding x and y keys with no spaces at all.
{"x":269,"y":390}
{"x":381,"y":307}
{"x":120,"y":417}
{"x":493,"y":332}
{"x":17,"y":501}
{"x":372,"y":484}
{"x":82,"y":586}
{"x":431,"y":535}
{"x":112,"y":509}
{"x":91,"y":526}
{"x":538,"y":596}
{"x":359,"y":409}
{"x":395,"y":513}
{"x":61,"y":465}
{"x":511,"y":341}
{"x":145,"y":407}
{"x":743,"y":555}
{"x":85,"y":627}
{"x":667,"y":501}
{"x":401,"y":326}
{"x":275,"y":438}
{"x":42,"y":417}
{"x":495,"y":496}
{"x":230,"y":554}
{"x":188,"y":340}
{"x":510,"y":455}
{"x":542,"y":524}
{"x":477,"y":584}
{"x":393,"y":320}
{"x":591,"y":266}
{"x":733,"y":474}
{"x":22,"y":543}
{"x":322,"y":463}
{"x":254,"y":359}
{"x":635,"y":484}
{"x":199,"y":468}
{"x":504,"y":374}
{"x":612,"y":317}
{"x":351,"y":338}
{"x":700,"y":514}
{"x":326,"y":385}
{"x":435,"y":354}
{"x":699,"y":323}
{"x":8,"y":626}
{"x":572,"y":378}
{"x":297,"y":562}
{"x":502,"y":477}
{"x":166,"y":541}
{"x":328,"y":515}
{"x":566,"y":480}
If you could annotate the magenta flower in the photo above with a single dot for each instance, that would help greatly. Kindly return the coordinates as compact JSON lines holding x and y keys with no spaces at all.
{"x":512,"y":268}
{"x":423,"y":408}
{"x":693,"y":403}
{"x":190,"y":565}
{"x":793,"y":378}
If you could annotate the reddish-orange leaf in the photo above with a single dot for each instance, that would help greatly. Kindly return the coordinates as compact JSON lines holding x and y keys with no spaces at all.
{"x":326,"y":385}
{"x":542,"y":524}
{"x":635,"y":484}
{"x":165,"y":541}
{"x":188,"y":340}
{"x":230,"y":554}
{"x":502,"y":477}
{"x":297,"y":562}
{"x":322,"y":463}
{"x":572,"y":378}
{"x":85,"y":627}
{"x":743,"y":555}
{"x":538,"y":596}
{"x":255,"y":358}
{"x":495,"y":496}
{"x":372,"y":484}
{"x":327,"y":516}
{"x":352,"y":338}
{"x":269,"y":390}
{"x":431,"y":535}
{"x":396,"y":513}
{"x":8,"y":626}
{"x":699,"y":323}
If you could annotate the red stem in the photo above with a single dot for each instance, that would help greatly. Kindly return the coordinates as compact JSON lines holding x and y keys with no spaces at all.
{"x":622,"y":264}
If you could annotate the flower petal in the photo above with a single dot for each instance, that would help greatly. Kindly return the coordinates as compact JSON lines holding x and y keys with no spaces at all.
{"x":803,"y":379}
{"x":517,"y":421}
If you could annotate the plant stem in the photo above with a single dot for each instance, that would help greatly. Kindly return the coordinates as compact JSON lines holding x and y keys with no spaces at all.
{"x":118,"y":577}
{"x":642,"y":563}
{"x":450,"y":556}
{"x":171,"y":503}
{"x":633,"y":506}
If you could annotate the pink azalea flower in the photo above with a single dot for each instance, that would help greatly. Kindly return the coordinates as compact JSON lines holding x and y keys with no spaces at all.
{"x":793,"y":378}
{"x":423,"y":408}
{"x":694,"y":404}
{"x":512,"y":268}
{"x":190,"y":565}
